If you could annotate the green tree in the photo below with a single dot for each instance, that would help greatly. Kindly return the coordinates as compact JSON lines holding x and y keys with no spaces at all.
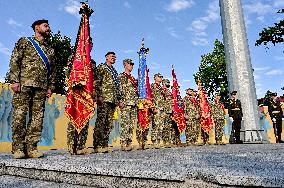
{"x":212,"y":72}
{"x":272,"y":34}
{"x":63,"y":49}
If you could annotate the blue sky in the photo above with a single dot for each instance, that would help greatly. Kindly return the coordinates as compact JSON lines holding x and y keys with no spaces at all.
{"x":177,"y":32}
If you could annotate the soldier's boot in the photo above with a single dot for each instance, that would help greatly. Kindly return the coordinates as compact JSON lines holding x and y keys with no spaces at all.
{"x":101,"y":149}
{"x":126,"y":147}
{"x":35,"y":154}
{"x":83,"y":151}
{"x":19,"y":154}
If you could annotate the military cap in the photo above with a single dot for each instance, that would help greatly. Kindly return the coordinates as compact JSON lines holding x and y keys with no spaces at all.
{"x":194,"y":90}
{"x":166,"y":80}
{"x":159,"y":75}
{"x":129,"y":61}
{"x":108,"y":53}
{"x":233,"y":93}
{"x":38,"y":22}
{"x":205,"y":92}
{"x":274,"y":94}
{"x":189,"y":89}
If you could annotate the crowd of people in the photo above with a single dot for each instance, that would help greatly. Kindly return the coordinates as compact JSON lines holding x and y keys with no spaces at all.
{"x":32,"y":78}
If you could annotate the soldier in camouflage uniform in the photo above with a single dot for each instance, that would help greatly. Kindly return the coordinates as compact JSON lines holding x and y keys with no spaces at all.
{"x":108,"y":97}
{"x":168,"y":125}
{"x":192,"y":116}
{"x":129,"y":97}
{"x":32,"y":81}
{"x":218,"y":113}
{"x":159,"y":118}
{"x":76,"y":143}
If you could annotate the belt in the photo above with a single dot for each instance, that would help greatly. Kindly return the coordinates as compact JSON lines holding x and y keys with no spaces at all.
{"x":275,"y":112}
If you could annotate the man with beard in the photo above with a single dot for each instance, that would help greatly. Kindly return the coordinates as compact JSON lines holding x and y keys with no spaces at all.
{"x":32,"y":76}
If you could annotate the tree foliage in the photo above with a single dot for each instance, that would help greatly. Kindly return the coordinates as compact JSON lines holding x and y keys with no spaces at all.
{"x":272,"y":34}
{"x":212,"y":72}
{"x":63,"y":49}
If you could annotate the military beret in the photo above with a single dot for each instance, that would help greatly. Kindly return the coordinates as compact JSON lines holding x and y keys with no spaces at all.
{"x":274,"y":94}
{"x":233,"y":93}
{"x":38,"y":22}
{"x":129,"y":61}
{"x":108,"y":53}
{"x":159,"y":75}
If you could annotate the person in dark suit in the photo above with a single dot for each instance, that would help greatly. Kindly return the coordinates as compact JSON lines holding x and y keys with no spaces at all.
{"x":235,"y":113}
{"x":276,"y":115}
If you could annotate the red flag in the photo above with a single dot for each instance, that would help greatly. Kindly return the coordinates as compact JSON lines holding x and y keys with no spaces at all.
{"x":206,"y":117}
{"x":79,"y":102}
{"x":178,"y":111}
{"x":144,"y":105}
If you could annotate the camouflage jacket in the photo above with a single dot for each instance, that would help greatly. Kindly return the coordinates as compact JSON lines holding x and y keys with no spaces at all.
{"x":217,"y":110}
{"x":158,"y":96}
{"x":168,"y":101}
{"x":128,"y":88}
{"x":106,"y":84}
{"x":27,"y":67}
{"x":190,"y":108}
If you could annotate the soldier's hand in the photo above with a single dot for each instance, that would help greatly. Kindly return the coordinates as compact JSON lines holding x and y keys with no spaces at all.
{"x":16,"y":87}
{"x":99,"y":101}
{"x":49,"y":93}
{"x":274,"y":120}
{"x":231,"y":119}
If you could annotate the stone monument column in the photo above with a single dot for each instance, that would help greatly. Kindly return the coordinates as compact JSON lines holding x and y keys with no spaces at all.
{"x":239,"y":68}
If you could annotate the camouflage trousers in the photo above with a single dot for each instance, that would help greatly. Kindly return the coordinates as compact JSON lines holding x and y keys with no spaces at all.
{"x":175,"y":135}
{"x":104,"y":124}
{"x":157,"y":127}
{"x":167,"y":130}
{"x":140,"y":135}
{"x":204,"y":136}
{"x":32,"y":100}
{"x":128,"y":121}
{"x":75,"y":140}
{"x":219,"y":125}
{"x":192,"y":130}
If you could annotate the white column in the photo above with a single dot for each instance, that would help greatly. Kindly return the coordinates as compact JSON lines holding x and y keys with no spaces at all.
{"x":239,"y":68}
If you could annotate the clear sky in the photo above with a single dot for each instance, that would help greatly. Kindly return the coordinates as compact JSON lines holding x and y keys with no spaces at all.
{"x":177,"y":32}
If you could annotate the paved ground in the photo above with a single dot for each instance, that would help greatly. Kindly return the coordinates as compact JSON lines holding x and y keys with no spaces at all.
{"x":211,"y":166}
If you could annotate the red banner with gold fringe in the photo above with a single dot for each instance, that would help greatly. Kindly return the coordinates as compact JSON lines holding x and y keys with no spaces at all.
{"x":178,"y":111}
{"x":206,"y":117}
{"x":79,"y":101}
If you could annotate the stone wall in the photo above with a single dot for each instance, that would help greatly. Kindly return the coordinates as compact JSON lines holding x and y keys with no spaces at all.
{"x":55,"y":124}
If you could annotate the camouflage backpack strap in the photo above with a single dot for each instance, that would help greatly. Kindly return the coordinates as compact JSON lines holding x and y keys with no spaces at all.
{"x":41,"y":54}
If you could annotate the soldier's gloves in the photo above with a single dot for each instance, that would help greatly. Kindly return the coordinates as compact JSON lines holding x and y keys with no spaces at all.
{"x":274,"y":120}
{"x":231,"y":119}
